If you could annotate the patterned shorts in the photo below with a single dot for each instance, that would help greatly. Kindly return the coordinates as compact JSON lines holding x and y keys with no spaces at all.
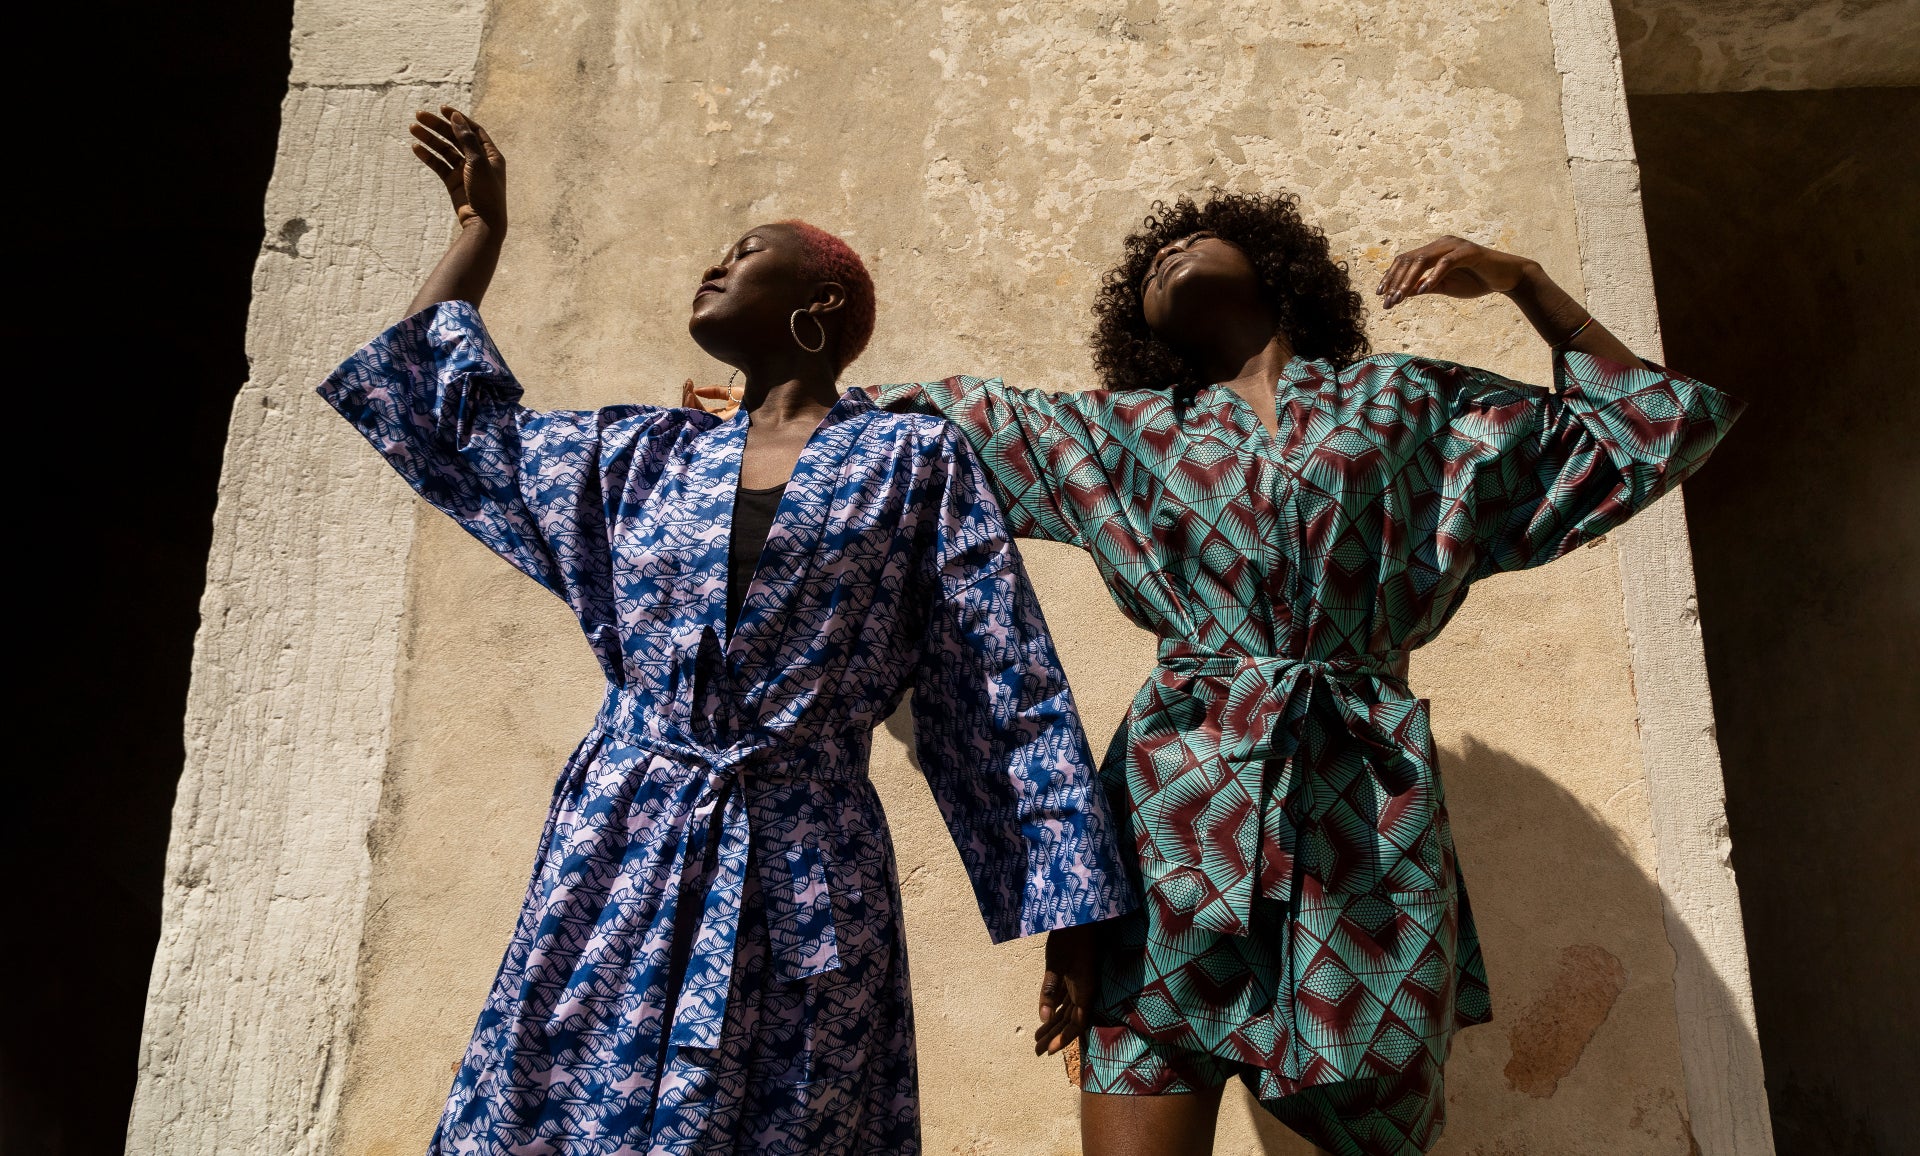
{"x":1121,"y":1062}
{"x":1397,"y":1115}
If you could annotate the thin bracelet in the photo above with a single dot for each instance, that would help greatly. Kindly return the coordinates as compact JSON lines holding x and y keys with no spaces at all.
{"x":1568,"y":339}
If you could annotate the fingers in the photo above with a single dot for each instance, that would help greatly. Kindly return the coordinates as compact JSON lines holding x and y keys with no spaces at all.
{"x":1391,"y":278}
{"x":463,"y":134}
{"x":1062,"y":1016}
{"x":486,"y":142}
{"x":453,"y":135}
{"x":436,"y":150}
{"x":1433,"y":276}
{"x":1411,"y":272}
{"x":430,"y":159}
{"x":1067,"y":1025}
{"x":436,"y":126}
{"x":1406,"y":267}
{"x":1386,"y":278}
{"x":1415,"y":271}
{"x":1053,"y":993}
{"x":432,"y":138}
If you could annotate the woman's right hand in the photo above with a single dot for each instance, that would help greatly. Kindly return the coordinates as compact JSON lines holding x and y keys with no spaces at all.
{"x":467,"y":161}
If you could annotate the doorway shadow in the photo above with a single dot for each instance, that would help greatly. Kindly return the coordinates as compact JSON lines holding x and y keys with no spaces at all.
{"x":1806,"y":551}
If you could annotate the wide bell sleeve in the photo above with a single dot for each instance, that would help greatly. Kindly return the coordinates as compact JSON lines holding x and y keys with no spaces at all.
{"x":1530,"y":475}
{"x":1024,"y":438}
{"x":436,"y":399}
{"x":995,"y":728}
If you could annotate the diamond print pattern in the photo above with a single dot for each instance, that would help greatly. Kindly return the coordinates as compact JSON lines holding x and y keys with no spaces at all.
{"x":1278,"y":775}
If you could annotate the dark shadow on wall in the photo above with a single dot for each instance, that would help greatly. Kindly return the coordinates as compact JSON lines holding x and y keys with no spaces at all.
{"x":1785,"y":232}
{"x":139,"y":165}
{"x":1564,"y":909}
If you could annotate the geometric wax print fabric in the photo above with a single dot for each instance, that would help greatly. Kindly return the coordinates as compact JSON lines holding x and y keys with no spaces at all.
{"x":710,"y":957}
{"x":1303,"y":911}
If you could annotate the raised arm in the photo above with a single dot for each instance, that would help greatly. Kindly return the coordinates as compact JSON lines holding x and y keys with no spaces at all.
{"x":467,"y":161}
{"x":1453,"y":267}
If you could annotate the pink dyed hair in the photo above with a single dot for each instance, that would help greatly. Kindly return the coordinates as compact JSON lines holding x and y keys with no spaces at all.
{"x":828,"y":258}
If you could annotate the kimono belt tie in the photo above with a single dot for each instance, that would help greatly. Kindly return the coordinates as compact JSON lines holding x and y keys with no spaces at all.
{"x":1281,"y":723}
{"x":799,"y":906}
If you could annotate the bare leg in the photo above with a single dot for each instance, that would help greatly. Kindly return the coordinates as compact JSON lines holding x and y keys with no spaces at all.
{"x":1174,"y":1125}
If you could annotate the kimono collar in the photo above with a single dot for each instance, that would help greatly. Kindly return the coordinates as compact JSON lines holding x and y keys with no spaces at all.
{"x":1303,"y":373}
{"x":852,"y":403}
{"x":1307,"y":373}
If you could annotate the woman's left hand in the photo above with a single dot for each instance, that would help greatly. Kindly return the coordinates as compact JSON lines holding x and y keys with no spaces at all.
{"x":1452,"y":267}
{"x":1066,"y":990}
{"x":717,"y":400}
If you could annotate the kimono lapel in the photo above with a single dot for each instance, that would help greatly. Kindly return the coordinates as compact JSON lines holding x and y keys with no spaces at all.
{"x":712,"y":494}
{"x":790,"y":554}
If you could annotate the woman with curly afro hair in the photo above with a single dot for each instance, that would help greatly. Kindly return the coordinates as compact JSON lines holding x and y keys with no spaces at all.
{"x":1291,"y":517}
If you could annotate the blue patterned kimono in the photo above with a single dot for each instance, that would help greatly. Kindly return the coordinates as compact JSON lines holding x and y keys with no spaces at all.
{"x":711,"y":957}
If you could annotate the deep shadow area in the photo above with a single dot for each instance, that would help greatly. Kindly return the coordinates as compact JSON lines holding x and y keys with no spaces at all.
{"x":139,"y":172}
{"x":1785,"y":230}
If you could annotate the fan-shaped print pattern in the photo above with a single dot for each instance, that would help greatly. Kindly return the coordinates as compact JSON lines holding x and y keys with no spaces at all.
{"x":1304,"y":923}
{"x":710,"y":957}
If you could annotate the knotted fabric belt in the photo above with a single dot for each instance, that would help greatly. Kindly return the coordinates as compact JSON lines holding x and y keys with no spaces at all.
{"x":1281,"y":720}
{"x":799,"y":905}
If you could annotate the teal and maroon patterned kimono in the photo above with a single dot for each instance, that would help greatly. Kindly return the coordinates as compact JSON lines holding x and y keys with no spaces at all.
{"x":1305,"y":925}
{"x":710,"y":958}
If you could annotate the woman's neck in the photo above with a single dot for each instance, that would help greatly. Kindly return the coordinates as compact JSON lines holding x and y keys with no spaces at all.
{"x":795,"y":392}
{"x":1253,"y":358}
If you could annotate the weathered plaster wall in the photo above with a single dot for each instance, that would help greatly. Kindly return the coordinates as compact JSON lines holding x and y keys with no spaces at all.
{"x":987,"y":159}
{"x":1720,"y":1048}
{"x":244,"y":1046}
{"x":1673,"y":46}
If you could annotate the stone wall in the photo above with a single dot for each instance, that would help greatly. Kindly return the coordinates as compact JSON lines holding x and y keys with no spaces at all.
{"x":1674,"y":46}
{"x":987,"y":160}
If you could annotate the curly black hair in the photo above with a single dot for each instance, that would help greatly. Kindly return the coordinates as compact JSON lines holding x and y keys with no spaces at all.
{"x":1313,"y":303}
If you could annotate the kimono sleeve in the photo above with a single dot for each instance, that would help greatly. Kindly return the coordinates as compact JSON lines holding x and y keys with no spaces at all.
{"x":1539,"y":473}
{"x":433,"y":395}
{"x":1022,"y":436}
{"x":996,"y":730}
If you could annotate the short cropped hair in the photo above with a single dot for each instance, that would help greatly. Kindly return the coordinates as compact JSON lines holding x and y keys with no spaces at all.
{"x":828,"y":258}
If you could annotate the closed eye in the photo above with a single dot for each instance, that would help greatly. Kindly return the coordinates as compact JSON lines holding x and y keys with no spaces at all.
{"x":1171,"y":248}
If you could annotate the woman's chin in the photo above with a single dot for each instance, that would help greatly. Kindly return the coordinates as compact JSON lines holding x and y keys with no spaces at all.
{"x":717,"y":341}
{"x":707,"y":331}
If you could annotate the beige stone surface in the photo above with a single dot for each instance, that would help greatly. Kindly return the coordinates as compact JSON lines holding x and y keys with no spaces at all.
{"x":244,"y":1046}
{"x":1673,"y":46}
{"x":1720,"y":1046}
{"x":987,"y":159}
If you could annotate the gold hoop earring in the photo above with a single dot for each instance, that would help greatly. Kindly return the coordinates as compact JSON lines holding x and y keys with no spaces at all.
{"x":743,"y":389}
{"x":793,"y":327}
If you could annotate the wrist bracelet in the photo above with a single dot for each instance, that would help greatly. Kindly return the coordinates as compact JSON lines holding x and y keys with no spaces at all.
{"x":1578,"y":330}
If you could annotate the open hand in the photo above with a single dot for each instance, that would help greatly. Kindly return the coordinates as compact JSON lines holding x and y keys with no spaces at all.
{"x":467,"y":161}
{"x":1067,"y":989}
{"x":1451,"y":267}
{"x":717,"y":400}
